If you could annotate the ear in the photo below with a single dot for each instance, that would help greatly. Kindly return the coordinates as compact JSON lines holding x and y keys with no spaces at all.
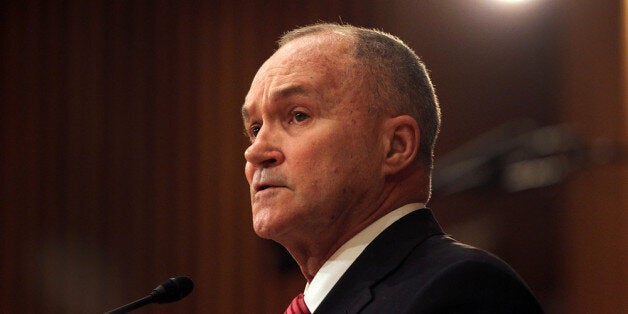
{"x":402,"y":137}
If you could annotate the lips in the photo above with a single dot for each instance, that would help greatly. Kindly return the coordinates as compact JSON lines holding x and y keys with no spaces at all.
{"x":264,"y":186}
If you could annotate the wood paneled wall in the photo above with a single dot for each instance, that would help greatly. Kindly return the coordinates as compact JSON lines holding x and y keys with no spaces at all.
{"x":122,"y":155}
{"x":594,"y":100}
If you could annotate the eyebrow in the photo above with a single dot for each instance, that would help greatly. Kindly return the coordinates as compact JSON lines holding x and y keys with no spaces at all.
{"x":281,"y":92}
{"x":245,"y":113}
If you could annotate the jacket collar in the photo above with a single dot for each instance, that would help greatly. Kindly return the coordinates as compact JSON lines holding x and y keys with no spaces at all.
{"x":380,"y":258}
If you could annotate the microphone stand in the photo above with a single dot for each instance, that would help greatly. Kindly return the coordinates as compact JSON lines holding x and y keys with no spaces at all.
{"x":133,"y":305}
{"x":174,"y":289}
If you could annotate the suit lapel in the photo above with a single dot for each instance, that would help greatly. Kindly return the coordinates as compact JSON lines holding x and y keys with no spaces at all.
{"x":380,"y":258}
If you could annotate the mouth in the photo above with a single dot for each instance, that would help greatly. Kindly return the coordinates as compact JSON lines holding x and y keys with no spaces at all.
{"x":264,"y":186}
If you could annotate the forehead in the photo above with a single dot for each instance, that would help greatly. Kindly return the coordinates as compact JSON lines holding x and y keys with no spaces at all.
{"x":304,"y":66}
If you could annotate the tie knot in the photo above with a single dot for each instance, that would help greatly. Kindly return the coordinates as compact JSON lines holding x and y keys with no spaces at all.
{"x":297,"y":306}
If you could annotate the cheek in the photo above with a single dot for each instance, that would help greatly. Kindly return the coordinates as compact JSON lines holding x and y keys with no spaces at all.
{"x":356,"y":162}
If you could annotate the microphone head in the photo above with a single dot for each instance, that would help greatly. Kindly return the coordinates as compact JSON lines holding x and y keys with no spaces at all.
{"x":174,"y":289}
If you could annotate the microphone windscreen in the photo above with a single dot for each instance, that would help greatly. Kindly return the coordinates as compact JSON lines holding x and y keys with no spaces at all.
{"x":173,"y":289}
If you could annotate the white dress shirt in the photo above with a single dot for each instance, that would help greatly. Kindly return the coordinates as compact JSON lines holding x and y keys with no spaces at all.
{"x":339,"y":262}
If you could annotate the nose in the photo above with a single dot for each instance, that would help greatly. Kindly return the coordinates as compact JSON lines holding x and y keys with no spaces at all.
{"x":264,"y":151}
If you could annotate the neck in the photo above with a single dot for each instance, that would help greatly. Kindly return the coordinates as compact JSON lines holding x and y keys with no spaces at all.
{"x":311,"y":253}
{"x":312,"y":248}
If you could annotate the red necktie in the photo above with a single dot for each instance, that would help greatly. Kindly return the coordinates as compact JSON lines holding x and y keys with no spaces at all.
{"x":297,"y":306}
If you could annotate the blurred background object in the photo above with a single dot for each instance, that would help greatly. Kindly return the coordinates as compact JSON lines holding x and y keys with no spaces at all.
{"x":122,"y":151}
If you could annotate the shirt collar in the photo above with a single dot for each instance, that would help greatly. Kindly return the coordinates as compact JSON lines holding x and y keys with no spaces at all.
{"x":339,"y":262}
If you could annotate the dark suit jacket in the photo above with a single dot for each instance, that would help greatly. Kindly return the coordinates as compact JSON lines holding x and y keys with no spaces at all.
{"x":413,"y":267}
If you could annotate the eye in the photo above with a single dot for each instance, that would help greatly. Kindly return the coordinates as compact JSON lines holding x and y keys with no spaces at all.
{"x":254,"y":129}
{"x":299,"y":116}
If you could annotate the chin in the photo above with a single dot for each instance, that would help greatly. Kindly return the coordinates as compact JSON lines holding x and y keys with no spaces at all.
{"x":263,"y":226}
{"x":269,"y":227}
{"x":262,"y":232}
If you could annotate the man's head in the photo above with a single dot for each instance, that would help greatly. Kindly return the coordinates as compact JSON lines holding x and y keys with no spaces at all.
{"x":335,"y":119}
{"x":398,"y":79}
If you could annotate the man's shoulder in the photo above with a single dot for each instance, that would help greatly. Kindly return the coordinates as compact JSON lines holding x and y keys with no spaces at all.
{"x":445,"y":274}
{"x":443,"y":251}
{"x":416,"y":252}
{"x":413,"y":267}
{"x":429,"y":248}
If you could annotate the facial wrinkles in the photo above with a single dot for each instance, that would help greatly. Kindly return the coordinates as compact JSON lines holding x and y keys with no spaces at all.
{"x":257,"y":101}
{"x":273,"y":78}
{"x":333,"y":54}
{"x":261,"y":102}
{"x":336,"y":82}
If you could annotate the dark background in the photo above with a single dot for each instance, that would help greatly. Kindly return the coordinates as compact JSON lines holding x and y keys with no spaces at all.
{"x":122,"y":150}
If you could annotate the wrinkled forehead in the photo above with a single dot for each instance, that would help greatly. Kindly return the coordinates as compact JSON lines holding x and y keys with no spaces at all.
{"x":326,"y":61}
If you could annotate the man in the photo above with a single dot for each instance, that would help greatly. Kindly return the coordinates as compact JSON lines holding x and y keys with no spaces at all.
{"x":342,"y":123}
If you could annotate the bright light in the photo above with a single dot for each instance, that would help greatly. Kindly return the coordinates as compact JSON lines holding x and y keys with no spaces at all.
{"x":512,"y":1}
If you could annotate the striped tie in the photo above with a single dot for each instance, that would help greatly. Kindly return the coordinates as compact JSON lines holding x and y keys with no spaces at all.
{"x":297,"y":306}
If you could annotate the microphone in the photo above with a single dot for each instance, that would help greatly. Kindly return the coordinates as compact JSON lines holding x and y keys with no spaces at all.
{"x":174,"y":289}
